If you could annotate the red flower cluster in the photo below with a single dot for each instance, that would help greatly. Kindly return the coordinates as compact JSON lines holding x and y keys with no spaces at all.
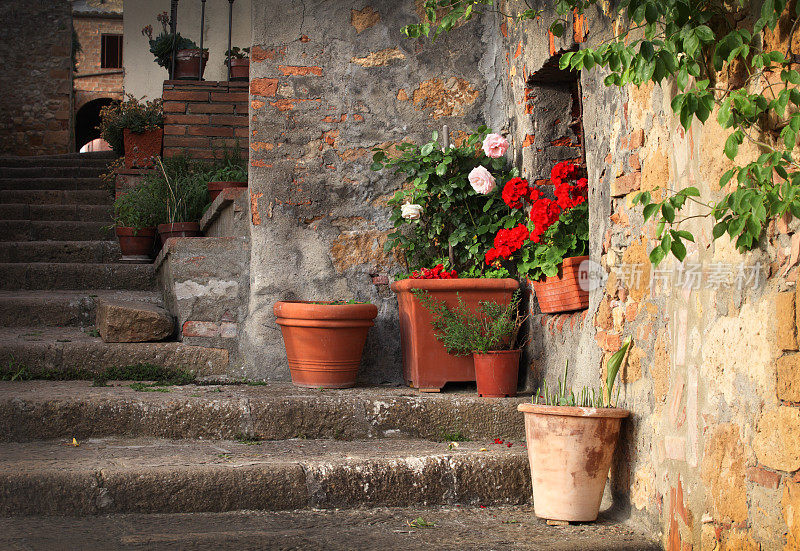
{"x":514,"y":190}
{"x":562,"y":172}
{"x":506,"y":242}
{"x":437,"y":272}
{"x":544,"y":212}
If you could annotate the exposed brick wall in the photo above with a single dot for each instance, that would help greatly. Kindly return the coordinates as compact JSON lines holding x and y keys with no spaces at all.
{"x":204,"y":117}
{"x":35,"y":77}
{"x":90,"y":30}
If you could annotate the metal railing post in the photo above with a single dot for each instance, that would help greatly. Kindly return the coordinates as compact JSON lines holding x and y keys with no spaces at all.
{"x":202,"y":27}
{"x":173,"y":28}
{"x":230,"y":31}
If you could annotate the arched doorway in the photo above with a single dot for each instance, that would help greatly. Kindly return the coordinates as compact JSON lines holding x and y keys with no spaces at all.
{"x":87,"y":121}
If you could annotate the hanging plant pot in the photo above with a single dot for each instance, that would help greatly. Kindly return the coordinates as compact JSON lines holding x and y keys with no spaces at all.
{"x":563,"y":292}
{"x":190,"y":64}
{"x":141,"y":147}
{"x":215,"y":188}
{"x":179,"y":229}
{"x":496,"y":372}
{"x":570,"y":451}
{"x":324,"y":341}
{"x":240,"y":69}
{"x":136,"y":244}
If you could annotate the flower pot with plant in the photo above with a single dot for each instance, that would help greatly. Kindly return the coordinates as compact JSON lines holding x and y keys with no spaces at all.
{"x":445,"y":215}
{"x":230,"y":171}
{"x":134,"y":217}
{"x":489,"y":334}
{"x":180,"y":186}
{"x":324,"y":340}
{"x":135,"y":129}
{"x":240,"y":63}
{"x":190,"y":62}
{"x":550,"y":242}
{"x":571,"y":439}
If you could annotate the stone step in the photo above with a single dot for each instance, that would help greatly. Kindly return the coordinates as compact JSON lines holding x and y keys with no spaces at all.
{"x":59,"y":251}
{"x":276,"y":411}
{"x":64,"y":184}
{"x":52,"y":172}
{"x":84,"y":213}
{"x":61,"y":308}
{"x":56,"y":276}
{"x":98,"y":159}
{"x":102,"y":476}
{"x":37,"y":230}
{"x":56,"y":197}
{"x":63,"y":350}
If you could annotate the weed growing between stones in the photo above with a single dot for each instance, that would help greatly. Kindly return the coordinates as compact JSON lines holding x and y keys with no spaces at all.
{"x":161,"y":376}
{"x":452,"y":436}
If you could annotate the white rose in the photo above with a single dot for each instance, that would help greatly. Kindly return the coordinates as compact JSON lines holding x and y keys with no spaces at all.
{"x":481,"y":180}
{"x":411,"y":211}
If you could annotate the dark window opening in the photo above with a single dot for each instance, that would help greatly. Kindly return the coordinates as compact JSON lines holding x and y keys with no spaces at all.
{"x":111,"y":51}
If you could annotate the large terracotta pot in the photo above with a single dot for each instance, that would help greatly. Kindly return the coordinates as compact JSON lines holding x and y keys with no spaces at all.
{"x":570,"y":451}
{"x":496,"y":372}
{"x":324,"y":341}
{"x":240,"y":69}
{"x":215,"y":188}
{"x":188,"y":64}
{"x":141,"y":147}
{"x":136,"y":243}
{"x":426,"y":364}
{"x":563,"y":292}
{"x":179,"y":229}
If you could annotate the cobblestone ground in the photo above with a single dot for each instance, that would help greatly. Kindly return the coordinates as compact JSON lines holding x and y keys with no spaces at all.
{"x":462,"y":528}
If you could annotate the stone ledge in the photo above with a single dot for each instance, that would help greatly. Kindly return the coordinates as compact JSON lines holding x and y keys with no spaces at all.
{"x":224,"y":201}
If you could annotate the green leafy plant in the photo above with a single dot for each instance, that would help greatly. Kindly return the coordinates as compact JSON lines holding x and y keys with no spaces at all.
{"x":237,"y":53}
{"x":457,"y":223}
{"x":231,"y":166}
{"x":138,"y":208}
{"x":462,"y":330}
{"x":133,"y":114}
{"x":179,"y":185}
{"x":163,"y":45}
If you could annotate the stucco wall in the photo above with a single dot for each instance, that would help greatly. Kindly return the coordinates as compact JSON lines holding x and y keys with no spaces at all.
{"x":143,"y":77}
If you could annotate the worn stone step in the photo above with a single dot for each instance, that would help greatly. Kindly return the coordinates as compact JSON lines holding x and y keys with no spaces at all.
{"x":52,"y":172}
{"x":47,"y":275}
{"x":50,"y":230}
{"x":61,"y":308}
{"x":84,"y":213}
{"x":37,"y":350}
{"x":65,"y":184}
{"x":276,"y":411}
{"x":59,"y":251}
{"x":99,"y":158}
{"x":117,"y":475}
{"x":56,"y":197}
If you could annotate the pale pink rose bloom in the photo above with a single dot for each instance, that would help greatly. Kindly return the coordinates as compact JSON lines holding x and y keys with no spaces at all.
{"x":410,"y":211}
{"x":481,"y":180}
{"x":495,"y":146}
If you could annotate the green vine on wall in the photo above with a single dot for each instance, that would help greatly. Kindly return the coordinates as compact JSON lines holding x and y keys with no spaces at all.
{"x":714,"y":52}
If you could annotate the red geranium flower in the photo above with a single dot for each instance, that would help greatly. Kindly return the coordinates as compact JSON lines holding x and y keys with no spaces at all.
{"x":514,"y":190}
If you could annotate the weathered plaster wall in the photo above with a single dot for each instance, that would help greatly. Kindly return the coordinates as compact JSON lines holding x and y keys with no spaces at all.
{"x":329,"y":81}
{"x":109,"y":85}
{"x":36,"y":81}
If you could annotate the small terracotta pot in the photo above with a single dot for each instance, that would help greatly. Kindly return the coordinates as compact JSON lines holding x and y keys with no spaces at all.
{"x":188,"y":63}
{"x":563,"y":292}
{"x":324,"y":341}
{"x":240,"y":69}
{"x":179,"y":229}
{"x":570,"y":451}
{"x":140,"y":148}
{"x":496,"y":372}
{"x":215,"y":188}
{"x":136,"y":242}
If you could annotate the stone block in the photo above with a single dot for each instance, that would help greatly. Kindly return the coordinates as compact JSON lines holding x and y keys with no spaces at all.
{"x":763,"y":477}
{"x":777,"y":440}
{"x":786,"y":320}
{"x":128,"y":321}
{"x":788,"y":377}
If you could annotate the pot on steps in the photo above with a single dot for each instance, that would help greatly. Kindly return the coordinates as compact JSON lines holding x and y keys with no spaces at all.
{"x":496,"y":372}
{"x":141,"y":147}
{"x":136,"y":243}
{"x":240,"y":69}
{"x":179,"y":229}
{"x":215,"y":188}
{"x":565,"y":291}
{"x":190,"y":64}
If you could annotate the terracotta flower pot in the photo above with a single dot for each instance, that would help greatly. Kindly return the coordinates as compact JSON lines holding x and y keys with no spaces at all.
{"x":240,"y":69}
{"x":324,"y":341}
{"x":136,"y":244}
{"x":570,"y":451}
{"x":215,"y":188}
{"x":563,"y":292}
{"x":140,"y":148}
{"x":496,"y":372}
{"x":179,"y":229}
{"x":426,"y":363}
{"x":188,"y":64}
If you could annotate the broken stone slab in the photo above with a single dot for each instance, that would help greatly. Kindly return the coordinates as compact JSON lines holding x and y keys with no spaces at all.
{"x":129,"y":321}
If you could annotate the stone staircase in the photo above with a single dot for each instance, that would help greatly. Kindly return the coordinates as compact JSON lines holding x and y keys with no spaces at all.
{"x":58,"y":259}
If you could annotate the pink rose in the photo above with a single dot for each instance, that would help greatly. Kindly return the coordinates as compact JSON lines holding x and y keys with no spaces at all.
{"x":481,"y":180}
{"x":495,"y":146}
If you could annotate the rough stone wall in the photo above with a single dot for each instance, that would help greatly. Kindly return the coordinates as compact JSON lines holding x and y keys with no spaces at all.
{"x":35,"y":77}
{"x":710,"y":457}
{"x":90,"y":30}
{"x":329,"y":81}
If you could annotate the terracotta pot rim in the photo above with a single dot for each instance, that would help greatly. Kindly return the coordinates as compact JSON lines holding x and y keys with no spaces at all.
{"x":149,"y":231}
{"x":572,"y":411}
{"x":178,"y":225}
{"x":304,"y":309}
{"x":458,"y":284}
{"x":497,"y":352}
{"x":228,"y":183}
{"x":240,"y":61}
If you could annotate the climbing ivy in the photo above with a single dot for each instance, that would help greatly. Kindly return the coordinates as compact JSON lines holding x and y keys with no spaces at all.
{"x":715,"y":53}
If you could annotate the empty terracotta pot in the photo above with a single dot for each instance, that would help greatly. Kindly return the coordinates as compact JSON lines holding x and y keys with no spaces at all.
{"x":496,"y":372}
{"x":563,"y":292}
{"x":324,"y":341}
{"x":570,"y":451}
